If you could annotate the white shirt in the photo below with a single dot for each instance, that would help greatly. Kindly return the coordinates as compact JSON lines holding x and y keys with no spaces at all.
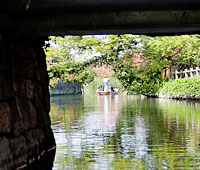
{"x":106,"y":80}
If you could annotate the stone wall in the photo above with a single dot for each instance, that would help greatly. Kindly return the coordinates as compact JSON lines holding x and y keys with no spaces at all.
{"x":66,"y":88}
{"x":25,"y":133}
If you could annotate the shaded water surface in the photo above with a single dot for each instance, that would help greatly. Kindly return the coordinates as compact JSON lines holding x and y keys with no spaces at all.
{"x":125,"y":132}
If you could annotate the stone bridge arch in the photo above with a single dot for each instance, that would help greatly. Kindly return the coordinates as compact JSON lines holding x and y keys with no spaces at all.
{"x":25,"y":133}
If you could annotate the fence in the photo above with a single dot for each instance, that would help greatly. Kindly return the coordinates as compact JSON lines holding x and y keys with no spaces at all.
{"x":187,"y":73}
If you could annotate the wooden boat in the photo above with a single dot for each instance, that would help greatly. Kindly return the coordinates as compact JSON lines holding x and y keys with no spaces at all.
{"x":111,"y":90}
{"x":103,"y":92}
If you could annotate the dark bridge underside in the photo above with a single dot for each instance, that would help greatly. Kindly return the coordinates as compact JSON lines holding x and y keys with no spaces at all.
{"x":25,"y":129}
{"x":61,"y":17}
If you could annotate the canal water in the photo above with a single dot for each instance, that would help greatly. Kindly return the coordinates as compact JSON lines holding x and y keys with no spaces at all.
{"x":125,"y":132}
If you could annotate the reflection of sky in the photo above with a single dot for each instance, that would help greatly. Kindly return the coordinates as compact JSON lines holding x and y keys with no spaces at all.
{"x":93,"y":130}
{"x":135,"y":143}
{"x":91,"y":134}
{"x":95,"y":126}
{"x":104,"y":119}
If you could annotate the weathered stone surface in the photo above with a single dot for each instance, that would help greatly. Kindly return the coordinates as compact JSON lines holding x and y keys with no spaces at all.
{"x":42,"y":76}
{"x":66,"y":88}
{"x":43,"y":144}
{"x":6,"y":86}
{"x":41,"y":97}
{"x":6,"y":156}
{"x":43,"y":118}
{"x":23,"y":115}
{"x":46,"y":100}
{"x":42,"y":94}
{"x":38,"y":94}
{"x":28,"y":114}
{"x":22,"y":92}
{"x":50,"y":141}
{"x":24,"y":88}
{"x":5,"y":118}
{"x":4,"y":58}
{"x":35,"y":139}
{"x":19,"y":150}
{"x":24,"y":68}
{"x":17,"y":120}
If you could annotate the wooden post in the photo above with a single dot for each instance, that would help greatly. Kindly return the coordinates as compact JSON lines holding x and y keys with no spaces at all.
{"x":167,"y":73}
{"x":197,"y":71}
{"x":163,"y":74}
{"x":191,"y":73}
{"x":186,"y":75}
{"x":176,"y":74}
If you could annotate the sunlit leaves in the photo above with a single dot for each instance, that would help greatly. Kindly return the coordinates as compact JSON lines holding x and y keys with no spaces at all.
{"x":159,"y":48}
{"x":182,"y":87}
{"x":177,"y":52}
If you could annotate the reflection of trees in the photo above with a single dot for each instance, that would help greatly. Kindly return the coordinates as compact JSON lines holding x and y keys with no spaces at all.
{"x":66,"y":109}
{"x":181,"y":122}
{"x":128,"y":133}
{"x":170,"y":133}
{"x":185,"y":118}
{"x":86,"y":141}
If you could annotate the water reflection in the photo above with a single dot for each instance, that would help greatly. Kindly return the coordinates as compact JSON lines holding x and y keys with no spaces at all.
{"x":125,"y":132}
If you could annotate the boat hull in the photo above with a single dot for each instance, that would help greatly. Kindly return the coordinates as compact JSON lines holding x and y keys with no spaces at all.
{"x":103,"y":93}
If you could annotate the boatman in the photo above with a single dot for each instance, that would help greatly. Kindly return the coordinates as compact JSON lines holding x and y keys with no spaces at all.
{"x":106,"y":80}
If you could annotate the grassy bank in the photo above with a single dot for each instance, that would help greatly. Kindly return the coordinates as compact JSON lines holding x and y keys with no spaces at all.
{"x":182,"y":88}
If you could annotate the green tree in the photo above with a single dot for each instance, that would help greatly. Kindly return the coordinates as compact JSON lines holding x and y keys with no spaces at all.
{"x":60,"y":61}
{"x":180,"y":52}
{"x":177,"y":52}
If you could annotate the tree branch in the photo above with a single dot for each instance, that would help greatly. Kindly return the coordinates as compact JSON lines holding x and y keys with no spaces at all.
{"x":174,"y":53}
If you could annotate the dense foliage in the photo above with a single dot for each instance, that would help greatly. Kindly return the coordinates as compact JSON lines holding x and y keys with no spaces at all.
{"x":60,"y":63}
{"x":182,"y":87}
{"x":179,"y":52}
{"x":175,"y":52}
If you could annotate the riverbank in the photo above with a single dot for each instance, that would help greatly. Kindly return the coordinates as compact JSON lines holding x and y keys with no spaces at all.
{"x":181,"y":89}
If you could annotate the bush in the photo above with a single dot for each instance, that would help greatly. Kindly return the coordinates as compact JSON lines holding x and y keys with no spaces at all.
{"x":183,"y":87}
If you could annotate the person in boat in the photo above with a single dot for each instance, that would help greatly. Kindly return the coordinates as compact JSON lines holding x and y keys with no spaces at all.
{"x":116,"y":89}
{"x":101,"y":88}
{"x":106,"y":80}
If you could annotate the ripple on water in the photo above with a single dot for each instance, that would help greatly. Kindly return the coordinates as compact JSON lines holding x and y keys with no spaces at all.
{"x":125,"y":133}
